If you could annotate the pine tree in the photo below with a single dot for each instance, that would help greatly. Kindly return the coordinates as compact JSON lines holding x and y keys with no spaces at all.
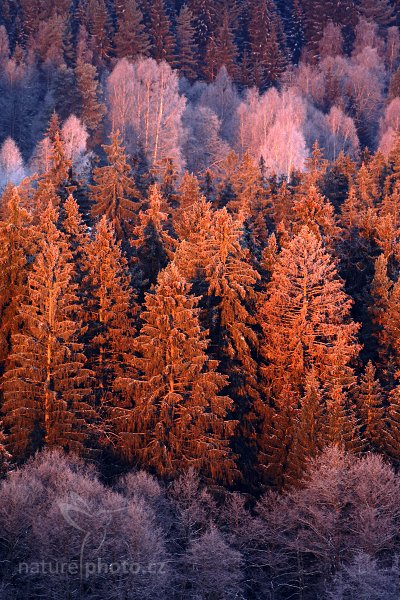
{"x":58,"y":175}
{"x":247,"y":186}
{"x":370,"y":398}
{"x":114,"y":193}
{"x":225,"y":47}
{"x":186,"y":45}
{"x":99,"y":29}
{"x":109,"y":321}
{"x":308,"y":438}
{"x":267,"y":58}
{"x":46,"y":384}
{"x":314,"y":211}
{"x":318,"y":13}
{"x":189,"y":194}
{"x":150,"y":240}
{"x":92,"y":110}
{"x":131,"y":39}
{"x":205,"y":17}
{"x":231,"y":279}
{"x":195,"y":231}
{"x":341,"y":428}
{"x":163,"y":43}
{"x":76,"y":233}
{"x":16,"y":245}
{"x":377,"y":11}
{"x":306,"y":318}
{"x":178,"y":418}
{"x":381,"y":287}
{"x":392,"y":324}
{"x":392,"y":425}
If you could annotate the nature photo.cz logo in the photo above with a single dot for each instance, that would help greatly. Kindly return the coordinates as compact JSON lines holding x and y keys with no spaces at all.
{"x":94,"y":525}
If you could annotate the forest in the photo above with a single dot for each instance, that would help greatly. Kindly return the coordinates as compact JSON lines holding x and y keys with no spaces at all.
{"x":200,"y":299}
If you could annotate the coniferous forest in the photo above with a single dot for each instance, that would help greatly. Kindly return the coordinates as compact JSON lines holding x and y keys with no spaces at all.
{"x":200,"y":299}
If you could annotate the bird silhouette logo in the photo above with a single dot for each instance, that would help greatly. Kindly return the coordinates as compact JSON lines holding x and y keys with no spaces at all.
{"x":92,"y":522}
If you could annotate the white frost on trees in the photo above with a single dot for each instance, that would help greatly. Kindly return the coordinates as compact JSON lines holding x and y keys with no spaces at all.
{"x":147,"y":109}
{"x":75,"y":136}
{"x":390,"y":126}
{"x":11,"y":164}
{"x":271,"y":126}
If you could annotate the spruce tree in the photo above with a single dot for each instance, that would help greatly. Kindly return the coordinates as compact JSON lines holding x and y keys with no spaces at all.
{"x":59,"y":172}
{"x":305,"y":318}
{"x":392,"y":425}
{"x":195,"y":233}
{"x":17,"y":244}
{"x":114,"y":193}
{"x":189,"y":194}
{"x":381,"y":287}
{"x":92,"y":110}
{"x":377,"y":11}
{"x":266,"y":53}
{"x":392,"y":325}
{"x":76,"y":232}
{"x":46,"y":384}
{"x":178,"y":419}
{"x":163,"y":43}
{"x":205,"y":18}
{"x":186,"y":44}
{"x":318,"y":13}
{"x":109,"y":321}
{"x":55,"y":167}
{"x":225,"y":47}
{"x":387,"y":224}
{"x":308,"y":435}
{"x":247,"y":186}
{"x":211,"y":64}
{"x":231,"y":279}
{"x":370,"y":400}
{"x":277,"y":438}
{"x":341,"y":426}
{"x":314,"y":211}
{"x":99,"y":29}
{"x":131,"y":39}
{"x":150,"y":240}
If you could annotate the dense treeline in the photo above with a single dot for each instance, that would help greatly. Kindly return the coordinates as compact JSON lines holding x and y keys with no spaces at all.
{"x":335,"y":63}
{"x":65,"y":535}
{"x":235,"y":323}
{"x":199,"y":278}
{"x":194,"y":273}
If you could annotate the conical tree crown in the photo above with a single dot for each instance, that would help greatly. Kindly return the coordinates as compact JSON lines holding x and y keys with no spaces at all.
{"x":46,"y":383}
{"x":177,"y":408}
{"x":17,"y":242}
{"x":114,"y":193}
{"x":305,"y":317}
